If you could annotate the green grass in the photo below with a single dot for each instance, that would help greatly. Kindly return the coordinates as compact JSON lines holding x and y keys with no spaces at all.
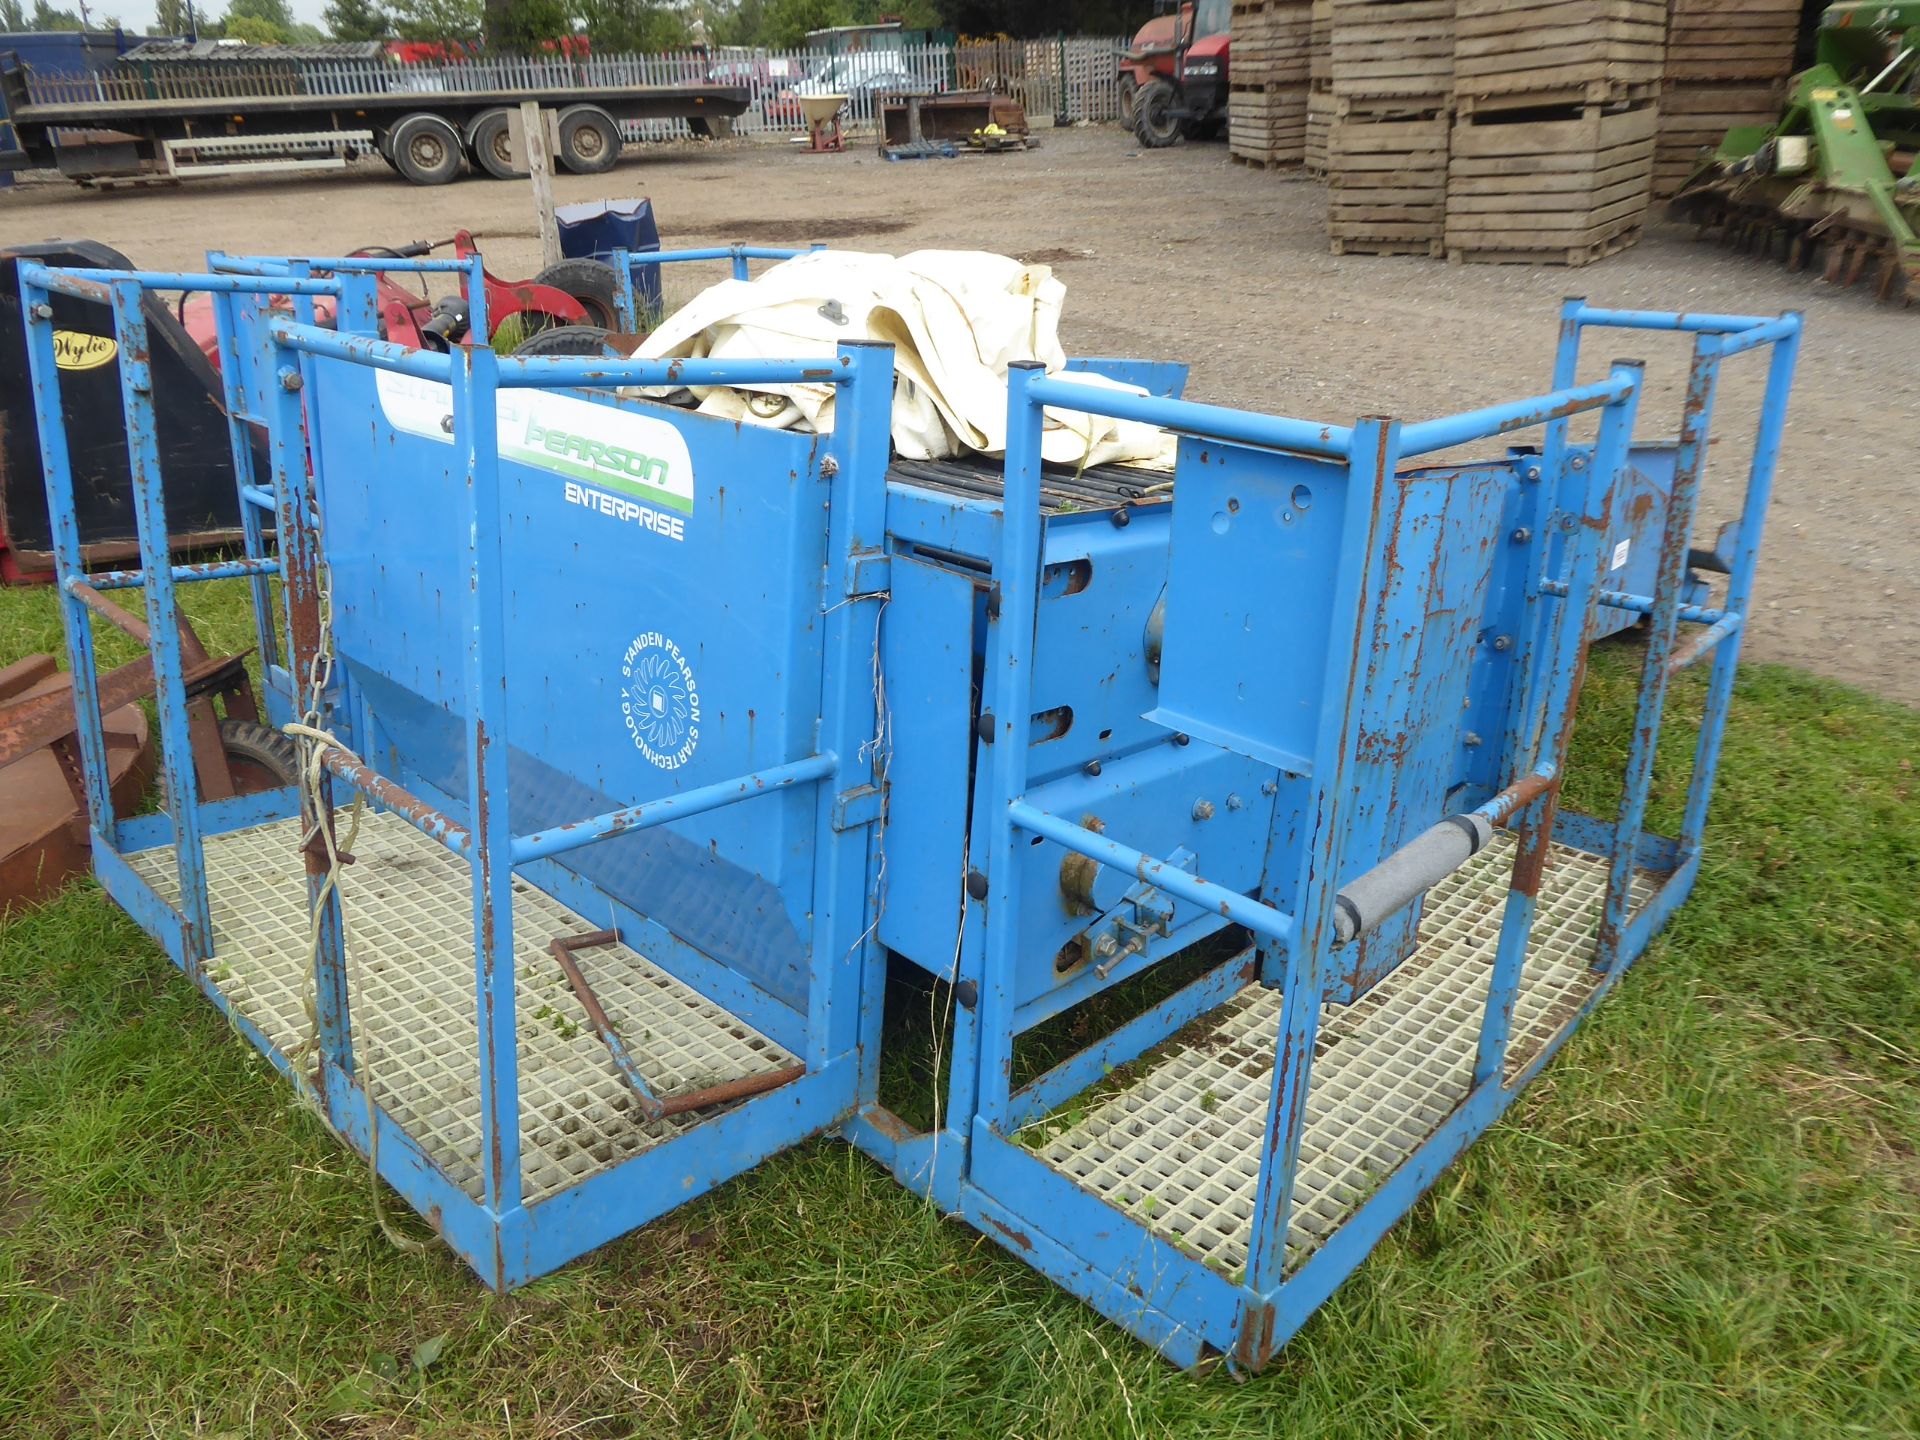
{"x":1703,"y":1221}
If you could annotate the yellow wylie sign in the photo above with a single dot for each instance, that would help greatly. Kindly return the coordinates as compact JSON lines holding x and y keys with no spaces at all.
{"x":74,"y":351}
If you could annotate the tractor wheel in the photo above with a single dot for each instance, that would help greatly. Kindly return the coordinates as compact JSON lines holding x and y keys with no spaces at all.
{"x":589,"y":140}
{"x":1154,"y":122}
{"x":259,"y":757}
{"x":487,"y":143}
{"x":567,"y":340}
{"x":426,"y":149}
{"x":590,"y":282}
{"x":1129,"y":89}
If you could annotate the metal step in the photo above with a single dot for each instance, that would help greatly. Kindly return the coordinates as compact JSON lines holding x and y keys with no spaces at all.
{"x":1179,"y":1147}
{"x":408,"y":905}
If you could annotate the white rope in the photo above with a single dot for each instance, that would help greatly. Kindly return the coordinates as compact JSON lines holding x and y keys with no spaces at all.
{"x":315,"y":740}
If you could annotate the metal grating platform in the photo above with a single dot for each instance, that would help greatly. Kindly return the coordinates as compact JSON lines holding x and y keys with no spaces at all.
{"x":1179,"y":1148}
{"x":409,"y":913}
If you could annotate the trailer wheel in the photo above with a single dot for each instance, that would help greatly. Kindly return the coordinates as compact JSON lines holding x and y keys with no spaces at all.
{"x":259,"y":757}
{"x":592,"y":283}
{"x":1155,"y":124}
{"x":567,"y":340}
{"x":489,"y":145}
{"x":589,"y":140}
{"x":426,"y":149}
{"x":1129,"y":89}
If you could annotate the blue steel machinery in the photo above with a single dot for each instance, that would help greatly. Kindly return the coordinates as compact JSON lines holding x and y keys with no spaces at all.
{"x":639,"y":745}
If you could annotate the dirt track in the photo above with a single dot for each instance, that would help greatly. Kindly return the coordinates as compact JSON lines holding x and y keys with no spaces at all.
{"x":1184,"y":255}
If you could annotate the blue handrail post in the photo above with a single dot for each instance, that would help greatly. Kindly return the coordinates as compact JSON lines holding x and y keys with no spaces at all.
{"x":740,"y":270}
{"x":240,"y":413}
{"x":1373,"y":461}
{"x":180,"y":785}
{"x":1008,"y":689}
{"x":1546,"y":729}
{"x":56,"y":464}
{"x":300,"y":571}
{"x":845,"y":947}
{"x":475,"y":375}
{"x":1746,"y":558}
{"x":1703,"y":379}
{"x":622,"y":262}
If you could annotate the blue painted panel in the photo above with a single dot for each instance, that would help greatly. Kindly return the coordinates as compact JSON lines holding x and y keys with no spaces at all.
{"x":663,"y":632}
{"x":1256,"y":535}
{"x":927,"y":653}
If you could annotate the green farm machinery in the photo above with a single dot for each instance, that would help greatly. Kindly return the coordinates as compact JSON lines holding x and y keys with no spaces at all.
{"x":1834,"y":175}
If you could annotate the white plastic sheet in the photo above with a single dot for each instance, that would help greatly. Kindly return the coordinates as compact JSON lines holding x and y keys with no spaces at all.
{"x":956,"y":320}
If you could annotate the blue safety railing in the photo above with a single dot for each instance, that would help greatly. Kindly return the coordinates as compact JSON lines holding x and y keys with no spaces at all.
{"x":1147,"y":1280}
{"x":273,"y":391}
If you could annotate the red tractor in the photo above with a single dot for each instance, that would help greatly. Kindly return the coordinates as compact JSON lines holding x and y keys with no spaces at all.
{"x":1173,"y":78}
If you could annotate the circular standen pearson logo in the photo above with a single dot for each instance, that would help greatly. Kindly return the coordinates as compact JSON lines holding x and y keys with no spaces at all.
{"x":660,"y":700}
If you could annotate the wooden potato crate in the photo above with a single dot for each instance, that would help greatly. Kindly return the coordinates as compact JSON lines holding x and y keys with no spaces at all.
{"x":1392,"y":48}
{"x":1320,"y":112}
{"x":1533,"y":187}
{"x":1320,"y":44}
{"x":1732,"y":40}
{"x":1387,"y":182}
{"x":1267,"y":124}
{"x":1548,"y":52}
{"x":1271,"y":42}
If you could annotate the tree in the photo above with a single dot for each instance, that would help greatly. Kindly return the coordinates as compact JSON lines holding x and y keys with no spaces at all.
{"x":624,"y":26}
{"x":437,"y":19}
{"x":170,"y":17}
{"x":12,"y":17}
{"x":252,"y":30}
{"x":277,"y":13}
{"x":47,"y":17}
{"x":356,"y":20}
{"x":520,"y":27}
{"x":788,"y":21}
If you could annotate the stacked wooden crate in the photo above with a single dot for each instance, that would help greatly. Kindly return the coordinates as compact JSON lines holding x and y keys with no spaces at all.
{"x":1726,"y":64}
{"x":1319,"y":86}
{"x":1552,"y":149}
{"x":1267,"y":106}
{"x":1390,"y":74}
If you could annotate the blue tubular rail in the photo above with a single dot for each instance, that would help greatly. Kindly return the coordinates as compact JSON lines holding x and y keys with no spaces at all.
{"x":1715,"y":339}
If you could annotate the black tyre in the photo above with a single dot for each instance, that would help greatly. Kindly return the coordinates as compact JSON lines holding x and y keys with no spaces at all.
{"x":590,"y":282}
{"x":589,"y":140}
{"x":1129,"y":92}
{"x":566,"y":340}
{"x":1155,"y":124}
{"x":258,"y":756}
{"x":426,"y":149}
{"x":487,"y":143}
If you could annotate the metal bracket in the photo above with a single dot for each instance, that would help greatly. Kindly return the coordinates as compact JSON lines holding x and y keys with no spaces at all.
{"x":856,"y":807}
{"x":870,"y":574}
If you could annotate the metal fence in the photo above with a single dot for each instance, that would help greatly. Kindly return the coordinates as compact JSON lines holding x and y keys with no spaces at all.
{"x":1067,"y":78}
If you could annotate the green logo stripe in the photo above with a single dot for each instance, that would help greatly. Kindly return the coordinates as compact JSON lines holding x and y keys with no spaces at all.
{"x":545,"y":459}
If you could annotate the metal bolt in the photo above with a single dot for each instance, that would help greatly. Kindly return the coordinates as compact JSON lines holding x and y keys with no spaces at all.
{"x":1269,"y":787}
{"x":1532,"y":472}
{"x":1093,"y":767}
{"x":1180,"y":737}
{"x":290,"y":379}
{"x":1567,"y":523}
{"x":43,"y":311}
{"x":830,"y":467}
{"x":976,"y":885}
{"x":1234,"y":802}
{"x":1522,"y":535}
{"x":1503,"y":642}
{"x":1579,"y":462}
{"x":1122,"y":518}
{"x":1203,"y":809}
{"x":1106,"y":945}
{"x":1470,"y":740}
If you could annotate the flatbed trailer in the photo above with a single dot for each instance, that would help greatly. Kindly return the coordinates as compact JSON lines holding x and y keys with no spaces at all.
{"x":427,"y":136}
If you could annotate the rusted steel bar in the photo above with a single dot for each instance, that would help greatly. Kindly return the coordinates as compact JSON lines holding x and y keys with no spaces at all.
{"x":434,"y":824}
{"x":43,"y":719}
{"x":1501,"y":809}
{"x":653,"y":1106}
{"x":1701,"y":642}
